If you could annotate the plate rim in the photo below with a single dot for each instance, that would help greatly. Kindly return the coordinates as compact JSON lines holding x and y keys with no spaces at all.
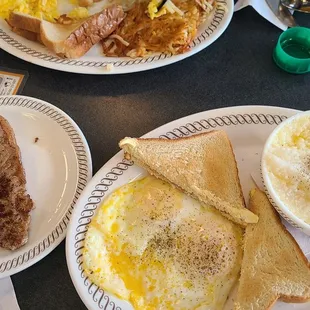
{"x":73,"y":245}
{"x":51,"y":240}
{"x":218,"y":25}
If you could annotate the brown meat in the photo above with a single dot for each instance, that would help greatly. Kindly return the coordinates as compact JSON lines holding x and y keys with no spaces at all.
{"x":15,"y":204}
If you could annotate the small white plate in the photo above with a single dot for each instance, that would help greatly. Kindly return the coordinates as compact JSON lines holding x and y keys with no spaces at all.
{"x":95,"y":63}
{"x":57,"y":165}
{"x":248,"y":128}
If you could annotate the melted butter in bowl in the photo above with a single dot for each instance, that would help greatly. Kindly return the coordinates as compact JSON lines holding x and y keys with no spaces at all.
{"x":286,"y":169}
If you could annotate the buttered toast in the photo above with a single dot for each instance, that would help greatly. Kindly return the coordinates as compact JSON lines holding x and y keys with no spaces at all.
{"x":273,"y":267}
{"x":202,"y":165}
{"x":71,"y":40}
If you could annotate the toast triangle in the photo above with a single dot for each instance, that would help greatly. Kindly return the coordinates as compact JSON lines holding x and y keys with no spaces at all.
{"x":273,"y":266}
{"x":202,"y":165}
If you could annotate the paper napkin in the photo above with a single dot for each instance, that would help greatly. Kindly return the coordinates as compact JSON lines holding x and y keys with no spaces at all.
{"x":7,"y":295}
{"x":263,"y":9}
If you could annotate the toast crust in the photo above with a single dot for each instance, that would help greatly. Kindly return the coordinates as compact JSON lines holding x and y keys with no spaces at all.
{"x":24,"y":22}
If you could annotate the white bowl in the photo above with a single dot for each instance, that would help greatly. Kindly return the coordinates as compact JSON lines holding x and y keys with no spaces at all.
{"x":273,"y":196}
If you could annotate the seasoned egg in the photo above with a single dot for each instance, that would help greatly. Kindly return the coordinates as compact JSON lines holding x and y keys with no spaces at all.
{"x":153,"y":8}
{"x":157,"y":248}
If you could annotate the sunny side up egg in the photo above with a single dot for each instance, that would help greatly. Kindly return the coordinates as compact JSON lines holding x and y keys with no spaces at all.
{"x":157,"y":248}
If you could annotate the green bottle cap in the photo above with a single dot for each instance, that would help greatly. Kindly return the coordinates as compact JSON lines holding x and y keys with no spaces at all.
{"x":292,"y":52}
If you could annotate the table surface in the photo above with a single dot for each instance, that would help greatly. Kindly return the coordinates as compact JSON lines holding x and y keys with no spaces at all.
{"x":107,"y":108}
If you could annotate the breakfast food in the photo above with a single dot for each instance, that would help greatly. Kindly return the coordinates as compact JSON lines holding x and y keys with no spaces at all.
{"x":15,"y":203}
{"x":24,"y":22}
{"x":287,"y":164}
{"x":25,"y":25}
{"x":156,"y":247}
{"x":41,"y":9}
{"x":202,"y":165}
{"x":86,"y":3}
{"x":143,"y":33}
{"x":71,"y":40}
{"x":273,"y":265}
{"x":150,"y":26}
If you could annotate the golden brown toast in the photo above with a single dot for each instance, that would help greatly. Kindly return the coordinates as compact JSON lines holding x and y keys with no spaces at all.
{"x":203,"y":166}
{"x":273,"y":267}
{"x":68,"y":40}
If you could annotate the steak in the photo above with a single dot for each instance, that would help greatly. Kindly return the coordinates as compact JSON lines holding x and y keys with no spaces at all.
{"x":15,"y":203}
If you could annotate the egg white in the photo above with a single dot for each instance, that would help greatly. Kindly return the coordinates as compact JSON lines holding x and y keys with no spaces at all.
{"x":154,"y":246}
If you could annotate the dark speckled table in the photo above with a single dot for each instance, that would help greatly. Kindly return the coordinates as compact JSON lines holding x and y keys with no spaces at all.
{"x":235,"y":70}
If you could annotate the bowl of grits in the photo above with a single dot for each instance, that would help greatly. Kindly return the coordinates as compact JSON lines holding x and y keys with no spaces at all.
{"x":286,"y":170}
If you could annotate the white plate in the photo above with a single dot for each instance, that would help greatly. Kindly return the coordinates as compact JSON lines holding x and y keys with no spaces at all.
{"x":57,"y":168}
{"x":94,"y":63}
{"x":248,"y":127}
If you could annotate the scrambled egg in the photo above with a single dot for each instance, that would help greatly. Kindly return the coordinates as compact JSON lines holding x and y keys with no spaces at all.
{"x":153,"y":8}
{"x":78,"y":13}
{"x":288,"y":165}
{"x":157,"y":8}
{"x":43,"y":9}
{"x":154,"y":246}
{"x":46,"y":9}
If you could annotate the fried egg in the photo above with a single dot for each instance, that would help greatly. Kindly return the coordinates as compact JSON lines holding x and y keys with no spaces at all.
{"x":157,"y":248}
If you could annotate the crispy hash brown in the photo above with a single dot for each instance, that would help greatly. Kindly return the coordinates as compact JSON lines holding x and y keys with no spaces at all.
{"x":138,"y":35}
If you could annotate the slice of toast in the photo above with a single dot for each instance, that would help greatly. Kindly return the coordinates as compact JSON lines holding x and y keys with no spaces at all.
{"x":202,"y":165}
{"x":15,"y":204}
{"x":32,"y":36}
{"x":70,"y":40}
{"x":273,"y":267}
{"x":20,"y":23}
{"x":73,"y":41}
{"x":24,"y":22}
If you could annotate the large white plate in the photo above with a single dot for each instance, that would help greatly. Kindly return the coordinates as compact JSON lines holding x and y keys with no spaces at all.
{"x":57,"y":168}
{"x":248,"y":127}
{"x":95,"y":63}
